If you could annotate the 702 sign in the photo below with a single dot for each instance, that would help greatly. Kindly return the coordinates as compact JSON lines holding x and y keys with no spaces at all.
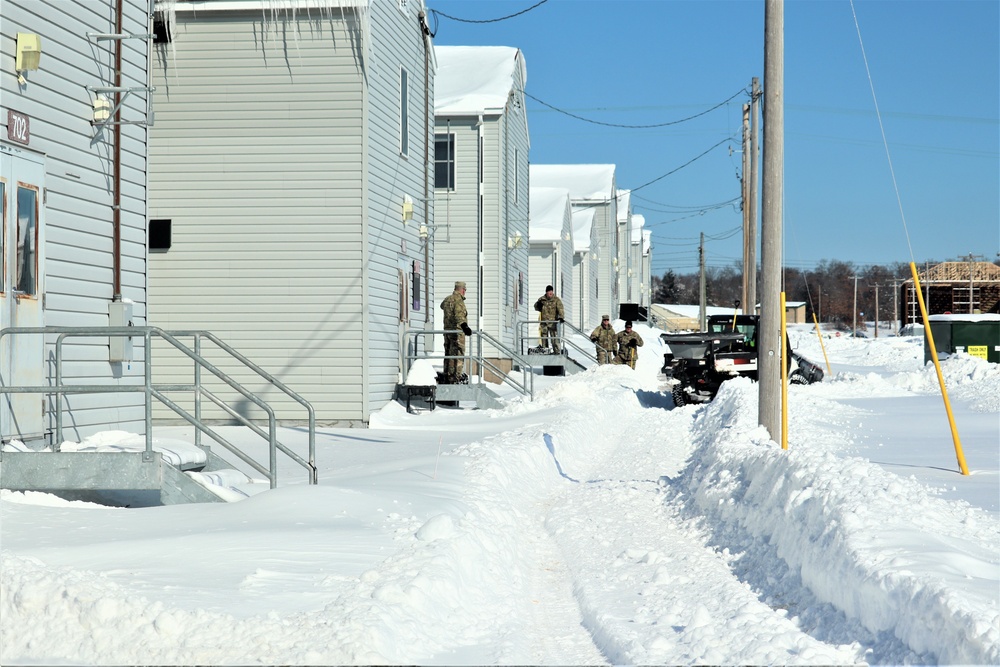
{"x":18,"y":127}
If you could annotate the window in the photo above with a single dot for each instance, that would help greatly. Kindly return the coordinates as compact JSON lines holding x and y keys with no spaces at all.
{"x":444,"y":161}
{"x":27,"y":240}
{"x":416,"y":285}
{"x":159,"y":235}
{"x":404,"y":112}
{"x":404,"y":296}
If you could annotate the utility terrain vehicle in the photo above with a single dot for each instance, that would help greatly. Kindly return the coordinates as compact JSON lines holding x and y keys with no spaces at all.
{"x":701,"y":361}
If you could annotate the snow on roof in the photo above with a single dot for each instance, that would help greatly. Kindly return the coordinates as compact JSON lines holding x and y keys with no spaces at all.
{"x":624,"y":205}
{"x":966,"y":317}
{"x":583,"y":222}
{"x":473,"y":79}
{"x":585,"y":182}
{"x":638,"y":220}
{"x":693,"y":311}
{"x":548,"y":213}
{"x":647,"y":237}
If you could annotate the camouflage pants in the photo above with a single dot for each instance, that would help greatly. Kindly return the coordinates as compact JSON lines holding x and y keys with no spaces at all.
{"x":454,"y":346}
{"x":604,"y":356}
{"x":548,"y":335}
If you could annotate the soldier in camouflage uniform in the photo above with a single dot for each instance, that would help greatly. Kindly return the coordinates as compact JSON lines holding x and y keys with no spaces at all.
{"x":606,"y":341}
{"x":455,"y":317}
{"x":552,"y":313}
{"x":628,"y":341}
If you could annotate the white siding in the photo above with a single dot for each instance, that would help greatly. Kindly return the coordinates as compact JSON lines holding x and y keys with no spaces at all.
{"x":79,"y":199}
{"x":277,"y":159}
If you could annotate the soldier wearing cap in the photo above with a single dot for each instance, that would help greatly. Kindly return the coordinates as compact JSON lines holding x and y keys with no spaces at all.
{"x":551,"y":314}
{"x":628,"y":342}
{"x":605,"y":340}
{"x":456,"y":318}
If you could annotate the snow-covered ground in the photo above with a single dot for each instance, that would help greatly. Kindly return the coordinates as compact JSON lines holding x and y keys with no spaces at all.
{"x":597,"y":524}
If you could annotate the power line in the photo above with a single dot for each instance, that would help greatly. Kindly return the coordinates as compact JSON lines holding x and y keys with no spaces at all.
{"x":634,"y":127}
{"x":496,"y":20}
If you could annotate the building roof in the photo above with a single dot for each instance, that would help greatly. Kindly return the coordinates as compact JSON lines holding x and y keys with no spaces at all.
{"x":585,"y":182}
{"x":638,"y":220}
{"x":474,"y":79}
{"x":583,"y":223}
{"x":548,"y":213}
{"x":959,"y":271}
{"x":624,"y":205}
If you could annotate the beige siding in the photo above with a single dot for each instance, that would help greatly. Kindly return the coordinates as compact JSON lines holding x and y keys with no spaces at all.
{"x":256,"y":158}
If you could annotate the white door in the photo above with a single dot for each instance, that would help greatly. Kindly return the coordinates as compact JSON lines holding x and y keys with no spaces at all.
{"x":22,"y":363}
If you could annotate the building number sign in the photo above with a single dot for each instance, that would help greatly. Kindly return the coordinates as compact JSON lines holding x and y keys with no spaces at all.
{"x":18,"y":128}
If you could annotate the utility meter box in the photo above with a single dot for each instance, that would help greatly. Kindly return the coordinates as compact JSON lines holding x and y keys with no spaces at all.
{"x":120,"y":315}
{"x":976,"y":335}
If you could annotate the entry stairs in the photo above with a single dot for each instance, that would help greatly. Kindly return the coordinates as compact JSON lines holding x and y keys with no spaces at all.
{"x":118,"y":462}
{"x":490,"y":361}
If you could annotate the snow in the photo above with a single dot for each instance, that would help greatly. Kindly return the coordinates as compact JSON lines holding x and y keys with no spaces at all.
{"x":585,"y":182}
{"x":548,"y":214}
{"x":474,"y":79}
{"x":597,"y":524}
{"x":583,"y":223}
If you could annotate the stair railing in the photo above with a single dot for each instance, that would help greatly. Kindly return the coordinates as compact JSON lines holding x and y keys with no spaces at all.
{"x":525,"y":386}
{"x":157,"y":390}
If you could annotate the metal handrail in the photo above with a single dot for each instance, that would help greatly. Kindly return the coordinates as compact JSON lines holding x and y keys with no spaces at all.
{"x":565,"y":340}
{"x":152,"y":390}
{"x":527,"y":384}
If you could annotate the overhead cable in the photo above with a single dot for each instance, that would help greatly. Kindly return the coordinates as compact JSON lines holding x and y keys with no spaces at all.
{"x":635,"y":127}
{"x":502,"y":18}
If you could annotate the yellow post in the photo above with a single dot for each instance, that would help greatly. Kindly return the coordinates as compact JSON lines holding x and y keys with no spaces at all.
{"x":821,"y":346}
{"x":937,"y":367}
{"x":784,"y":375}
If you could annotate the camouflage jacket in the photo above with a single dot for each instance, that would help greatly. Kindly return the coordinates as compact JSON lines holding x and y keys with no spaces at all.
{"x":606,"y":338}
{"x":551,"y":308}
{"x":455,"y":314}
{"x":623,"y":342}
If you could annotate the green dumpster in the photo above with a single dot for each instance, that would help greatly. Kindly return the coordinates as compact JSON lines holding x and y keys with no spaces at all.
{"x":975,"y":335}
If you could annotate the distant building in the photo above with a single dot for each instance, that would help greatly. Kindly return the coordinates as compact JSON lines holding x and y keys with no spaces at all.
{"x":481,"y":146}
{"x":585,"y":268}
{"x":550,"y":237}
{"x":953,"y":288}
{"x":592,"y":186}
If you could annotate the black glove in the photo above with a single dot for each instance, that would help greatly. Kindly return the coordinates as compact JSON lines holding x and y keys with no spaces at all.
{"x":593,"y":339}
{"x":633,"y":343}
{"x":561,"y":321}
{"x":466,"y":330}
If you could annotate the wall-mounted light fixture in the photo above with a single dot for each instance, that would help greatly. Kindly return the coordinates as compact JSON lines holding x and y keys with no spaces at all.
{"x":102,"y":109}
{"x":28,"y":54}
{"x":514,"y":241}
{"x":407,"y":208}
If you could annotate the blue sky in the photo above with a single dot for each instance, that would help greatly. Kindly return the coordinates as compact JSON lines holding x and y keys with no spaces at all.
{"x":935,"y":68}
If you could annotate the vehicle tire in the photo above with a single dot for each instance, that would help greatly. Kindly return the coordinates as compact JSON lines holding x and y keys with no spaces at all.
{"x":798,"y":378}
{"x":679,"y":396}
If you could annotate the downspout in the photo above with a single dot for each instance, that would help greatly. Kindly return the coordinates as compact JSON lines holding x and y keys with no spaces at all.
{"x":117,"y":194}
{"x":428,"y":130}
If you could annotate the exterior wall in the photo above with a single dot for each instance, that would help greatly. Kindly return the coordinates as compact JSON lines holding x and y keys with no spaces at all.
{"x":78,"y":254}
{"x":564,"y":284}
{"x":607,"y":244}
{"x":392,"y":246}
{"x":278,"y":161}
{"x":457,"y":220}
{"x":475,"y":232}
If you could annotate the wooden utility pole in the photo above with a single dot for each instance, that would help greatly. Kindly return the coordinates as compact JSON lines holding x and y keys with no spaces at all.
{"x":745,"y":199}
{"x":770,"y":344}
{"x":854,"y":320}
{"x":876,"y":310}
{"x":702,"y":296}
{"x":751,"y":300}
